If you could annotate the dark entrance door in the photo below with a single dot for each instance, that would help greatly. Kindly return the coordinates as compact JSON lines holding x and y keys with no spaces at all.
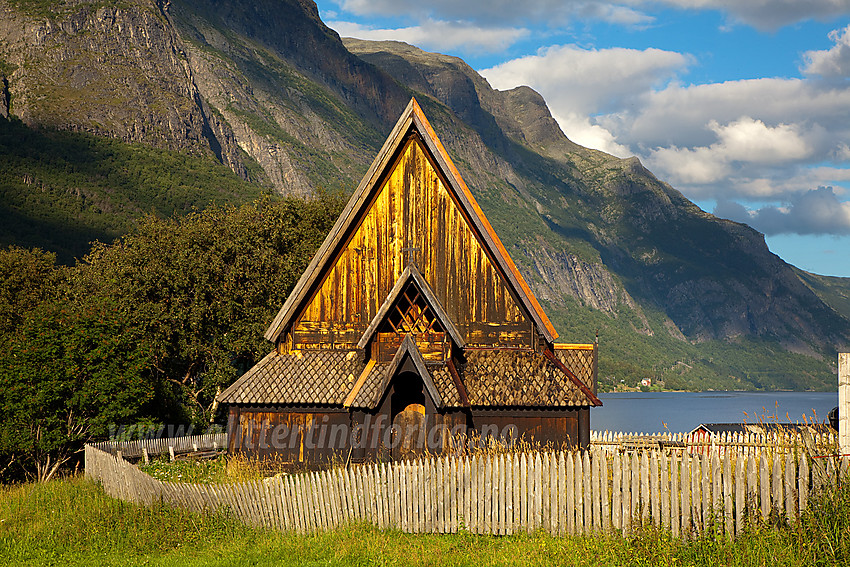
{"x":409,"y":420}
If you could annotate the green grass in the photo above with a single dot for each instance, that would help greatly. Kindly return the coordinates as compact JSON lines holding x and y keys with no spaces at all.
{"x":200,"y":472}
{"x":72,"y":522}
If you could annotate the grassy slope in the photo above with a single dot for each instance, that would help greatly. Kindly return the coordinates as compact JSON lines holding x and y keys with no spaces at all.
{"x":72,"y":522}
{"x":746,"y":364}
{"x":835,"y":292}
{"x":61,"y":190}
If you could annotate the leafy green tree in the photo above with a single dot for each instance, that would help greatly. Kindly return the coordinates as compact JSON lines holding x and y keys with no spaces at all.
{"x":27,"y":278}
{"x":200,"y":289}
{"x":147,"y":329}
{"x":67,"y":374}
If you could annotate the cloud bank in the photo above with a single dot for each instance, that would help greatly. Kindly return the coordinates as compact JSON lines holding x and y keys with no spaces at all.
{"x":817,"y":211}
{"x":783,"y":143}
{"x":770,"y":139}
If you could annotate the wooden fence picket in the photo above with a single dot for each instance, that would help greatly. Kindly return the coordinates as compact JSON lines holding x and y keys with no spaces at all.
{"x":718,"y":486}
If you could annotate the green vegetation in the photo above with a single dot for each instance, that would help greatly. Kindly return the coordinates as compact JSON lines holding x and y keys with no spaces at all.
{"x":145,"y":330}
{"x":62,"y":190}
{"x":627,"y":356}
{"x":190,"y":470}
{"x":222,"y":469}
{"x":72,"y":522}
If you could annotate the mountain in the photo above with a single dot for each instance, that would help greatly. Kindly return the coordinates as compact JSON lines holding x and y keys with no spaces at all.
{"x":266,"y":91}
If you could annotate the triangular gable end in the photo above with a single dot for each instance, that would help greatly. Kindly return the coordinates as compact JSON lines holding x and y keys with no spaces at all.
{"x":409,"y":349}
{"x":411,"y":120}
{"x":411,"y":274}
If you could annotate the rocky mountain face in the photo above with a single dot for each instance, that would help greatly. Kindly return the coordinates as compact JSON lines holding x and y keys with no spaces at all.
{"x":712,"y":278}
{"x":267,"y":89}
{"x":119,"y":71}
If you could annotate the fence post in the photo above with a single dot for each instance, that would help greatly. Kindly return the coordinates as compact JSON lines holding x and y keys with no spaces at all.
{"x":666,"y":493}
{"x":606,"y":513}
{"x":803,"y":483}
{"x":790,"y":492}
{"x":764,"y":482}
{"x":727,"y":493}
{"x":676,"y":518}
{"x":616,"y":500}
{"x":644,"y":487}
{"x":778,"y":500}
{"x":740,"y":493}
{"x":844,"y":403}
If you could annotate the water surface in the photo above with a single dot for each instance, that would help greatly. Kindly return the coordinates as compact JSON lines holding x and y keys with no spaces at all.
{"x":649,"y":412}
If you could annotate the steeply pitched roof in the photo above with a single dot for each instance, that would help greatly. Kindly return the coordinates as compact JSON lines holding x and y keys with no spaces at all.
{"x":411,"y":273}
{"x":321,"y":377}
{"x":412,"y":120}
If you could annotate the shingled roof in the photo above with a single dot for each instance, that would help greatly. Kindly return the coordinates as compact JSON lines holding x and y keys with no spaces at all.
{"x":490,"y":378}
{"x":322,"y":377}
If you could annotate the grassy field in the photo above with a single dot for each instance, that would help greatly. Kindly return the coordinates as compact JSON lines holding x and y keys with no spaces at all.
{"x":72,"y":522}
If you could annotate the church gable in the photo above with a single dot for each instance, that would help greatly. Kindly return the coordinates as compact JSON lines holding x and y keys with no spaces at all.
{"x":411,"y":317}
{"x":413,"y":219}
{"x":411,"y":308}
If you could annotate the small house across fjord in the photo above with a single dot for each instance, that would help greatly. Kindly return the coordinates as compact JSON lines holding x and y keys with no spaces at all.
{"x":410,"y":330}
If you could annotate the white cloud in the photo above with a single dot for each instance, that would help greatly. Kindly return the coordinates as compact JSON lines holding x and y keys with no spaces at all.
{"x":738,"y":139}
{"x":588,"y":81}
{"x":768,"y":14}
{"x":761,"y":14}
{"x":679,"y":115}
{"x":744,"y":140}
{"x":698,"y":166}
{"x":505,"y":12}
{"x":583,"y":132}
{"x":438,"y":35}
{"x":833,"y":62}
{"x":751,"y":140}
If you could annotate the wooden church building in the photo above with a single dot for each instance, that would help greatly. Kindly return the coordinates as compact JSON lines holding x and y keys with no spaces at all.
{"x":411,"y":330}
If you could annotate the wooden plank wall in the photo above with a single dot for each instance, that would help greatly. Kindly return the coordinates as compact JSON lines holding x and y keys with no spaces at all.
{"x":413,"y":219}
{"x":559,"y":492}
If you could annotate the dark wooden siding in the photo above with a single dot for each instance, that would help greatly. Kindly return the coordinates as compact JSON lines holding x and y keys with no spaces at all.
{"x":551,"y":427}
{"x":307,"y":437}
{"x":292,"y":436}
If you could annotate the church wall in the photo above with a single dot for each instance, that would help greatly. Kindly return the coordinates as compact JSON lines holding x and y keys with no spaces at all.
{"x":314,"y":438}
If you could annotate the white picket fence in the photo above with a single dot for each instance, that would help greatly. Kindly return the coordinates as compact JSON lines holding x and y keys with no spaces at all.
{"x":560,"y":492}
{"x":814,"y":440}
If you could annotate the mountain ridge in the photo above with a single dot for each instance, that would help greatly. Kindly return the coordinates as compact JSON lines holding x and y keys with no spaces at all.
{"x":266,"y":89}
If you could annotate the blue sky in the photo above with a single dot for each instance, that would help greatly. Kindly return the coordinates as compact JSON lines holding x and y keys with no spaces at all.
{"x":742,"y":106}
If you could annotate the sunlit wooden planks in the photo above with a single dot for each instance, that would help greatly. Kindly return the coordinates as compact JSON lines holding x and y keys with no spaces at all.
{"x":413,"y":218}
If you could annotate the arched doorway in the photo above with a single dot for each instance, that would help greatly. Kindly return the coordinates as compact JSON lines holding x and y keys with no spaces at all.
{"x":407,"y":406}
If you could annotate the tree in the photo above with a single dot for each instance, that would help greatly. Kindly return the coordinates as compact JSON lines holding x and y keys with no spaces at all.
{"x":200,"y":289}
{"x":147,"y":329}
{"x":27,"y":278}
{"x":68,"y":374}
